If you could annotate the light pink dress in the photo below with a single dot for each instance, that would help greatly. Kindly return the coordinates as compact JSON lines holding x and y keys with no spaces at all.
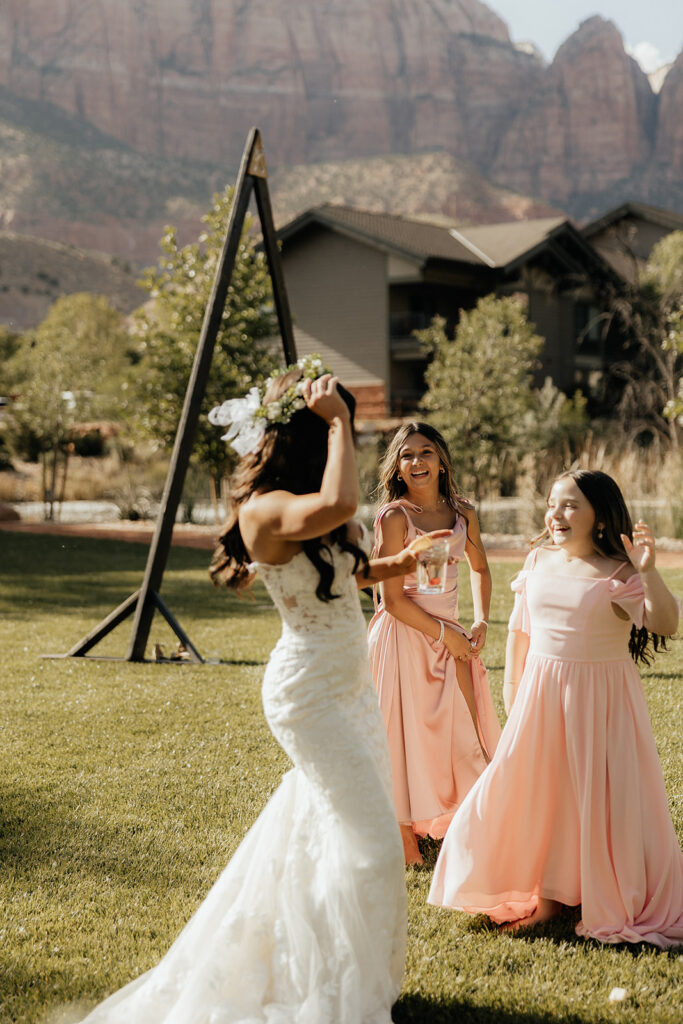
{"x":436,"y":755}
{"x":573,"y":806}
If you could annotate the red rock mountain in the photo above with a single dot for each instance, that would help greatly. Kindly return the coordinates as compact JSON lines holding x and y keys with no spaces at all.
{"x":590,"y":126}
{"x":323,"y":80}
{"x":342,"y":79}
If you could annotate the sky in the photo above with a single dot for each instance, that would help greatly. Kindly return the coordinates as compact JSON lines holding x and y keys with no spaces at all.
{"x":652,"y":29}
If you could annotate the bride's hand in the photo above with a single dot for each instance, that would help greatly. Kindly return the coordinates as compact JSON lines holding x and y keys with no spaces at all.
{"x":322,"y":398}
{"x":408,"y":557}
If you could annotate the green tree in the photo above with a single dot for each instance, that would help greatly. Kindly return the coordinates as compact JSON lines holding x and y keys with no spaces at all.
{"x":68,"y":370}
{"x":169,"y":324}
{"x":479,"y":387}
{"x":10,"y":342}
{"x":652,"y":315}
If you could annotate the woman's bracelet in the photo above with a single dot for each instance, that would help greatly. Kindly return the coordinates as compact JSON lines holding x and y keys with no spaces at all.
{"x":481,"y":622}
{"x":442,"y":630}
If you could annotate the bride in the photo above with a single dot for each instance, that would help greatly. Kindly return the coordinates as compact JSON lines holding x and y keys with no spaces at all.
{"x":307,"y":923}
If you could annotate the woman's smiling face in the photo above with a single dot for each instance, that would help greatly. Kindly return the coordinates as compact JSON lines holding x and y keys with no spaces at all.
{"x":570,"y":516}
{"x":419,"y":463}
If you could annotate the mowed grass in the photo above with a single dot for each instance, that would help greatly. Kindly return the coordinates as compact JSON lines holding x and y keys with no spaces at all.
{"x":124,"y":789}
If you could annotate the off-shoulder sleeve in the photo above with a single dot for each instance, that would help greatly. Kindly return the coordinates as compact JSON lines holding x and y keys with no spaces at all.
{"x":519,"y":619}
{"x":630,"y":596}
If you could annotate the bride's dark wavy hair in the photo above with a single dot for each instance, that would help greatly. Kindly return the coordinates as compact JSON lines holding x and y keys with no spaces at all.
{"x":611,"y":511}
{"x":292,"y":458}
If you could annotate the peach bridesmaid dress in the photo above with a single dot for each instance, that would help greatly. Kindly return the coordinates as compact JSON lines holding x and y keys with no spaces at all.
{"x":573,"y":806}
{"x":435,"y":746}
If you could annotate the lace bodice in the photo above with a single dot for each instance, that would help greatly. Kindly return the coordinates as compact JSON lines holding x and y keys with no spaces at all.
{"x":292,"y":589}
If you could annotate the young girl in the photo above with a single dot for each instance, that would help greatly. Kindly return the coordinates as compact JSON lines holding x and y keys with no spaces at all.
{"x":307,"y":923}
{"x":572,"y":809}
{"x":432,"y":686}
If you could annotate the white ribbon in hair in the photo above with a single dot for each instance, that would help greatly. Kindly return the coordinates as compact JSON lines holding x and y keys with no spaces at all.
{"x":245,"y":431}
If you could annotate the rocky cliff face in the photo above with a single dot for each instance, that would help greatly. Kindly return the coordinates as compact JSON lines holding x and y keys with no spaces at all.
{"x":346,"y":78}
{"x":185,"y":79}
{"x":667,"y":163}
{"x":589,"y":126}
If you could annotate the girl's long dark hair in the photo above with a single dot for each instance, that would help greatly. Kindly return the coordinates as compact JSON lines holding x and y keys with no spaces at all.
{"x":612,"y":518}
{"x":292,"y":458}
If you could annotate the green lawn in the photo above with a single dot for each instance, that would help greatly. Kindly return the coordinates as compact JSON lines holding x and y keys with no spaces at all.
{"x":125,"y":789}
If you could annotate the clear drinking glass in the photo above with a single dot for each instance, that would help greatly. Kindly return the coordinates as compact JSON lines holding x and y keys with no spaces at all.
{"x":431,"y":568}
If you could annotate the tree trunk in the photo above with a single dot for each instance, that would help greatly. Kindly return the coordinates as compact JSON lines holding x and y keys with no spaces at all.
{"x":62,"y":485}
{"x":53,"y":483}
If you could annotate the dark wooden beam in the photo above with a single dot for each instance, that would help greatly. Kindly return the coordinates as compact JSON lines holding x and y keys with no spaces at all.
{"x":252,"y":177}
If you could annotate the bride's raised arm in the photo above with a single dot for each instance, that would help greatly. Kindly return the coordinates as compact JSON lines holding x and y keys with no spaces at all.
{"x":286,"y":517}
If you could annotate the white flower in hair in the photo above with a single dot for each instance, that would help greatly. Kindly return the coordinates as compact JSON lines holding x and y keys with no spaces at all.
{"x":248,"y":418}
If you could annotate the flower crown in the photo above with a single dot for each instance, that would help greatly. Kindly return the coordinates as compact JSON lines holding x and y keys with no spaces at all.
{"x":247,"y":418}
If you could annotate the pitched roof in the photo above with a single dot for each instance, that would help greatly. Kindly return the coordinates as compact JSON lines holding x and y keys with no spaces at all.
{"x":414,"y":239}
{"x":488,"y":245}
{"x":668,"y":219}
{"x":504,"y":243}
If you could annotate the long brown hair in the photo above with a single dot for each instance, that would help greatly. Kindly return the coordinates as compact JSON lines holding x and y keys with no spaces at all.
{"x":392,"y":488}
{"x":292,"y":457}
{"x":612,"y":518}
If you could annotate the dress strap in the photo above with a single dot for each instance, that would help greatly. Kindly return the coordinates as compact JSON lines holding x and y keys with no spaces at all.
{"x":618,"y":569}
{"x":403,"y":505}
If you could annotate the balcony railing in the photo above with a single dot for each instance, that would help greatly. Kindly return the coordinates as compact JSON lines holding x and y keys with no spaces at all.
{"x":402,"y":325}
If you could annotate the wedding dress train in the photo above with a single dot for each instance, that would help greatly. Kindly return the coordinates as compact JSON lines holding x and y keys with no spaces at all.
{"x":307,"y":923}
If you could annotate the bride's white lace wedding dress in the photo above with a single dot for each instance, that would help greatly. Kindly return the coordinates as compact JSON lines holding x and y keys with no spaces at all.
{"x":307,"y":923}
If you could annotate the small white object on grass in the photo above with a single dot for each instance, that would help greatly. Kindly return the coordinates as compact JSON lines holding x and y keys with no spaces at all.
{"x":617,"y":995}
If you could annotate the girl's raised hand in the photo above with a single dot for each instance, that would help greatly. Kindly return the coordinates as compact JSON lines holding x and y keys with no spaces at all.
{"x":322,"y":398}
{"x":641,"y":550}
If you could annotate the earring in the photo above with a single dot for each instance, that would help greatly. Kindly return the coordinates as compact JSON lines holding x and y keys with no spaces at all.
{"x":600,"y":532}
{"x":442,"y":470}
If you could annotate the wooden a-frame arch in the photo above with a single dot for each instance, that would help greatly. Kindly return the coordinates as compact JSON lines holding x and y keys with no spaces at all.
{"x":252,"y":177}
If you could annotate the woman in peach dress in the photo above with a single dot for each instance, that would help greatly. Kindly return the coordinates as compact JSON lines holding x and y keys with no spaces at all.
{"x":432,"y":685}
{"x":573,"y":809}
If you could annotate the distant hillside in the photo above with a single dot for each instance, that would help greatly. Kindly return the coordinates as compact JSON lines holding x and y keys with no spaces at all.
{"x":62,"y":179}
{"x":34,"y":273}
{"x":434,"y":184}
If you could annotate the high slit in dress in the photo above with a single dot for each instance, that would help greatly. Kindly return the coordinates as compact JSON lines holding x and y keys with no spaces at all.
{"x":437,"y":750}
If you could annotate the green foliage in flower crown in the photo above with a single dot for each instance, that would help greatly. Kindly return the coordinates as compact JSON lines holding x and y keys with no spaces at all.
{"x":282,"y":410}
